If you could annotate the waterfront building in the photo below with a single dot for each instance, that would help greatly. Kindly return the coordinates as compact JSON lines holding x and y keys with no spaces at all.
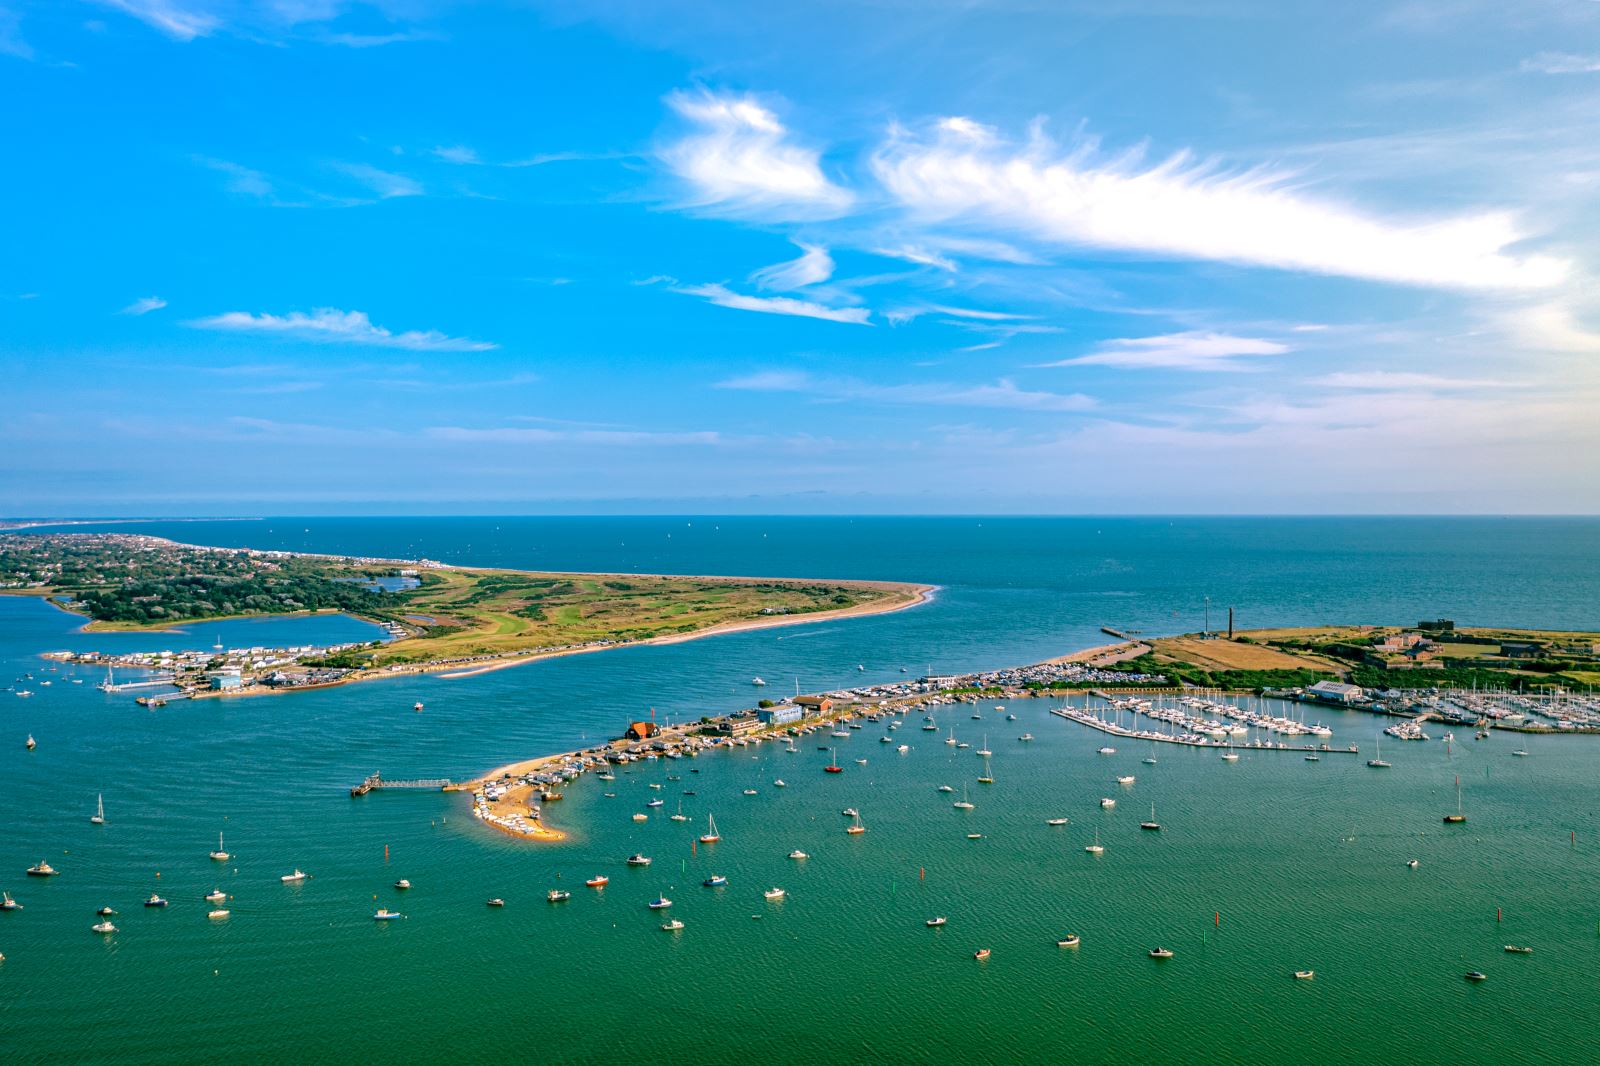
{"x":1334,"y":692}
{"x":779,"y":714}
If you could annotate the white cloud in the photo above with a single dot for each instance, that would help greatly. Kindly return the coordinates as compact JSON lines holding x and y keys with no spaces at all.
{"x":722,"y":296}
{"x":1183,"y":208}
{"x":916,"y":253}
{"x":814,"y":265}
{"x":348,"y":327}
{"x":1395,"y":380}
{"x":387,"y":185}
{"x":144,"y":305}
{"x":741,"y":161}
{"x":11,"y":42}
{"x":1550,"y":327}
{"x":1561,"y":63}
{"x":241,"y":179}
{"x":538,"y":435}
{"x":180,"y":21}
{"x":1004,"y":394}
{"x":459,"y":154}
{"x":1189,"y":350}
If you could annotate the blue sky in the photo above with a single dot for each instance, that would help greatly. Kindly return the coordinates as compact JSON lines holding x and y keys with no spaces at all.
{"x":1153,"y":256}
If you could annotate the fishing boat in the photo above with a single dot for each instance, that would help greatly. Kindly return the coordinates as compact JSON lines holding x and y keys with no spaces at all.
{"x":1026,"y":736}
{"x":1476,"y":975}
{"x":1458,"y":817}
{"x":1152,"y":824}
{"x":216,"y":895}
{"x":1512,"y":949}
{"x":1095,"y":848}
{"x":1108,"y":751}
{"x":7,"y":903}
{"x":220,"y":855}
{"x":934,"y":923}
{"x":638,"y":860}
{"x":981,"y":954}
{"x":710,"y":836}
{"x":384,"y":914}
{"x":856,"y":829}
{"x":1125,"y":779}
{"x":798,"y":854}
{"x":1107,"y":802}
{"x":672,"y":926}
{"x":902,"y":749}
{"x":1304,"y":975}
{"x":99,"y":816}
{"x":31,"y":742}
{"x":218,"y":914}
{"x":104,"y":927}
{"x":1071,"y":940}
{"x":640,"y":816}
{"x":417,"y":706}
{"x":715,"y":882}
{"x":1161,"y":953}
{"x":833,"y":766}
{"x":402,"y":884}
{"x":496,"y":902}
{"x":963,"y":804}
{"x":558,"y":895}
{"x":1377,"y":762}
{"x":294,"y":878}
{"x":756,"y":681}
{"x":105,"y":912}
{"x":1412,"y":864}
{"x":155,"y":901}
{"x":597,"y":882}
{"x":656,"y":803}
{"x":774,"y":893}
{"x":42,"y":869}
{"x":1055,"y":821}
{"x":660,"y":903}
{"x":850,"y":812}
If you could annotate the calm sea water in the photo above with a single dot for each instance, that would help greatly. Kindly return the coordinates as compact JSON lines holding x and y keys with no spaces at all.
{"x":1304,"y":862}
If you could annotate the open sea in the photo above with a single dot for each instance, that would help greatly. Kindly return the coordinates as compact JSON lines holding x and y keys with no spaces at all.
{"x":1265,"y":866}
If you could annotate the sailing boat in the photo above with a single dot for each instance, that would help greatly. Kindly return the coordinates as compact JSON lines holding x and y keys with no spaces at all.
{"x":219,"y":854}
{"x":710,"y":836}
{"x":1152,"y":824}
{"x":963,"y":804}
{"x":680,"y":816}
{"x":1458,"y":817}
{"x":1377,"y":762}
{"x":99,"y":811}
{"x":1150,"y":760}
{"x":988,"y":775}
{"x":833,"y":766}
{"x":856,"y":828}
{"x":1095,"y":848}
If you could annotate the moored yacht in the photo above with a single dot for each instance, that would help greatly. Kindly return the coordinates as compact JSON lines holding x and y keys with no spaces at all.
{"x":42,"y":869}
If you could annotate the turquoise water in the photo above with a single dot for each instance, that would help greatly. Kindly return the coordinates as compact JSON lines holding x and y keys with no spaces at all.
{"x":1303,"y":861}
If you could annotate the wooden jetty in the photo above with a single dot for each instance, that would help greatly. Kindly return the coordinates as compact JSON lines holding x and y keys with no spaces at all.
{"x":436,"y":784}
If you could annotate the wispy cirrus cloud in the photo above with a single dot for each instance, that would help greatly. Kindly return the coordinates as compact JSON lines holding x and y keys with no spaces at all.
{"x":385,"y":184}
{"x":1189,"y":350}
{"x":180,"y":21}
{"x":1399,"y":380}
{"x":814,"y":265}
{"x":329,"y":325}
{"x":11,"y":41}
{"x":722,"y":296}
{"x":1003,"y":394}
{"x":1561,"y":63}
{"x":741,"y":160}
{"x":542,"y":435}
{"x":143,"y":306}
{"x":962,"y":172}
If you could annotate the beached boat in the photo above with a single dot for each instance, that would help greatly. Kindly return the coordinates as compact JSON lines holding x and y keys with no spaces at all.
{"x":42,"y":869}
{"x":294,"y":878}
{"x":774,"y":893}
{"x":710,"y":836}
{"x":934,"y":923}
{"x":1071,"y":940}
{"x":558,"y":895}
{"x":99,"y":816}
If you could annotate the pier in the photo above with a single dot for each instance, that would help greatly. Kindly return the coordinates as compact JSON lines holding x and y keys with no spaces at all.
{"x":1083,"y":717}
{"x":435,"y":784}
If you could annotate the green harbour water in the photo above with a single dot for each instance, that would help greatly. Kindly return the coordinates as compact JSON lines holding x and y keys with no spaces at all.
{"x":1264,"y":866}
